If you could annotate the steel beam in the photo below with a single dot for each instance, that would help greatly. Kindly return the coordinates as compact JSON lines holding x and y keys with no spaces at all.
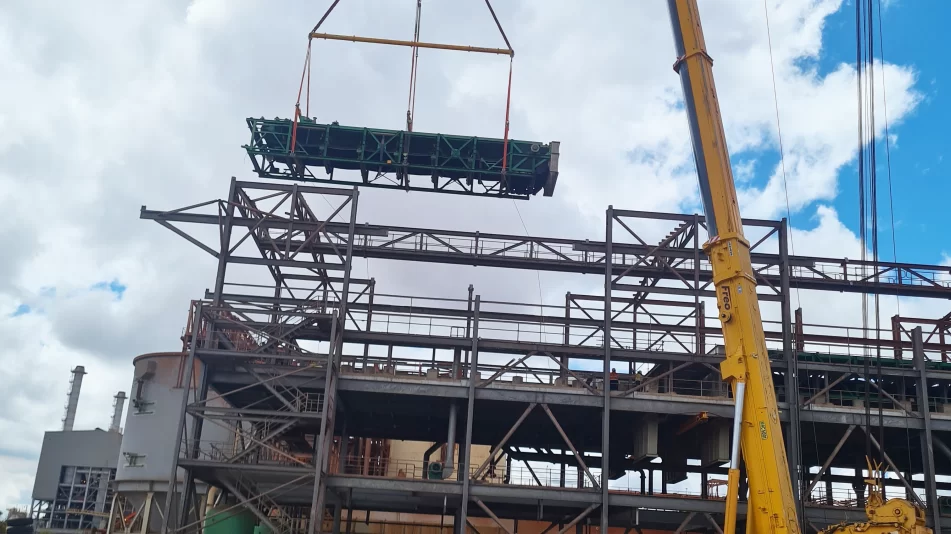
{"x":474,"y":377}
{"x":901,"y":477}
{"x":828,"y":462}
{"x":501,"y":445}
{"x":913,"y":280}
{"x":176,"y":449}
{"x":927,"y":439}
{"x":606,"y":376}
{"x":246,"y":502}
{"x":791,"y":375}
{"x":491,"y":514}
{"x":826,"y":389}
{"x":579,"y":517}
{"x":574,"y":451}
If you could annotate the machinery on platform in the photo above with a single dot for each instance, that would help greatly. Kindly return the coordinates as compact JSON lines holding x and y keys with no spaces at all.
{"x":756,"y":428}
{"x":893,"y":515}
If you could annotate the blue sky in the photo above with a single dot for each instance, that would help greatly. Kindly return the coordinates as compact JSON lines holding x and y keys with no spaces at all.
{"x":919,"y":160}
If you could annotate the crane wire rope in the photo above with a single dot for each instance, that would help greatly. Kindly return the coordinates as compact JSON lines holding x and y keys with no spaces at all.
{"x":868,"y":208}
{"x":800,"y":475}
{"x":541,"y":299}
{"x":873,"y":189}
{"x":414,"y":64}
{"x":888,"y":150}
{"x":779,"y":132}
{"x":860,"y":110}
{"x":891,"y":198}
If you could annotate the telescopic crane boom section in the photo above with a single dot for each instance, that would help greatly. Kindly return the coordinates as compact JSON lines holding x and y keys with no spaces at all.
{"x":772,"y":501}
{"x":772,"y":504}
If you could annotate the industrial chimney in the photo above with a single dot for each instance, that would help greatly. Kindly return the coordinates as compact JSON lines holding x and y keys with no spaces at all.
{"x":72,"y":401}
{"x":117,"y":407}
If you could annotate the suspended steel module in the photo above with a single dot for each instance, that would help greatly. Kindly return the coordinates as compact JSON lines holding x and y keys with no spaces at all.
{"x":399,"y":159}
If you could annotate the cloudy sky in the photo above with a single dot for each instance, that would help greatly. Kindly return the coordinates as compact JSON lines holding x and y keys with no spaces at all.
{"x":108,"y":106}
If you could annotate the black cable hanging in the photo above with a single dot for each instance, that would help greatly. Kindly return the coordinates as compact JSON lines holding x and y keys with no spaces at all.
{"x":860,"y":94}
{"x":868,"y":209}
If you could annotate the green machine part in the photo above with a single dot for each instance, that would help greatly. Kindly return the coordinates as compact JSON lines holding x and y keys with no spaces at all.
{"x":233,"y":521}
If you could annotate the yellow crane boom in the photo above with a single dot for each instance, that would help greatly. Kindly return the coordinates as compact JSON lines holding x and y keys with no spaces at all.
{"x":756,"y":429}
{"x":772,"y":504}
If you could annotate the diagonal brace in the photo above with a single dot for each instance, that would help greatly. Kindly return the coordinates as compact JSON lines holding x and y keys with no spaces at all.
{"x":824,"y":390}
{"x":492,"y":515}
{"x":828,"y":462}
{"x":507,"y":367}
{"x":579,"y":517}
{"x":495,"y":450}
{"x":570,"y":446}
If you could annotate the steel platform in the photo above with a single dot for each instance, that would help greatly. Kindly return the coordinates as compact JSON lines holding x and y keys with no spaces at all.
{"x":391,"y":158}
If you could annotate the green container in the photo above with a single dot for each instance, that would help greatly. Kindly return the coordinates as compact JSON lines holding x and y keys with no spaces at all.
{"x":261,"y":529}
{"x":234,"y":521}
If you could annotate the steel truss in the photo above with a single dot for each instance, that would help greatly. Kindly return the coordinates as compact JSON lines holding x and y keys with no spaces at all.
{"x":298,"y":366}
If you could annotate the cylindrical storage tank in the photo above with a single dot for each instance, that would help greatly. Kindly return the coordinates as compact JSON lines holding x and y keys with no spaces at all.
{"x":148,"y":443}
{"x":234,"y":521}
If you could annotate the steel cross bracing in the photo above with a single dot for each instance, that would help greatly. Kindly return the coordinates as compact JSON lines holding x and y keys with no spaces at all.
{"x":674,"y":260}
{"x":270,"y":421}
{"x":402,"y":365}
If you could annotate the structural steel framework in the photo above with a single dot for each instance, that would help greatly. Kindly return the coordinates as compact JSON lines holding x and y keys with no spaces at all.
{"x":315,"y":357}
{"x":311,"y":152}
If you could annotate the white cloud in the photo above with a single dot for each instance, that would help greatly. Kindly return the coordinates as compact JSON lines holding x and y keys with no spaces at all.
{"x":109,"y":106}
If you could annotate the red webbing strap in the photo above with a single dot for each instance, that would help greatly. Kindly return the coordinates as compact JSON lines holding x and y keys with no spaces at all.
{"x":300,"y":90}
{"x":508,"y":105}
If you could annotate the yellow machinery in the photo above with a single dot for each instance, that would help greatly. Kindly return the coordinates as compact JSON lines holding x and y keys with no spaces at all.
{"x":772,"y":503}
{"x":894,"y":516}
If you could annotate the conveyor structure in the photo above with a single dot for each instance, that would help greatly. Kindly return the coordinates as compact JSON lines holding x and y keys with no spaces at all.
{"x":397,"y":159}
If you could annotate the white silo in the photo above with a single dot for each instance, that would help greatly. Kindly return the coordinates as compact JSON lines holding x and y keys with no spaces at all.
{"x":148,"y":443}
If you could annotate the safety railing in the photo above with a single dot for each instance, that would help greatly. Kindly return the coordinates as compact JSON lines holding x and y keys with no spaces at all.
{"x":840,"y":495}
{"x":272,"y":453}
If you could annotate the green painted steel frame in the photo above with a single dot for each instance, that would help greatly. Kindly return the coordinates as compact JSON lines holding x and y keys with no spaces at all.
{"x":389,"y":158}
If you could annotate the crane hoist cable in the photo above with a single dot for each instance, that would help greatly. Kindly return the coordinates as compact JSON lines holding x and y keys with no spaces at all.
{"x":868,"y":206}
{"x":411,"y":99}
{"x":305,"y":75}
{"x":508,"y":93}
{"x":891,"y":196}
{"x":415,"y":44}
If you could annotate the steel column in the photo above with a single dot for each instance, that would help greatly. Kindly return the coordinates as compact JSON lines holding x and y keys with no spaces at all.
{"x":927,"y":447}
{"x":177,"y":448}
{"x":338,"y":328}
{"x":459,"y":527}
{"x":791,"y":375}
{"x":606,"y":413}
{"x":366,"y":346}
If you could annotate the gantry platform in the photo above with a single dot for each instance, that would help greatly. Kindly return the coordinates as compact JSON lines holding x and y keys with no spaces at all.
{"x":391,"y":158}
